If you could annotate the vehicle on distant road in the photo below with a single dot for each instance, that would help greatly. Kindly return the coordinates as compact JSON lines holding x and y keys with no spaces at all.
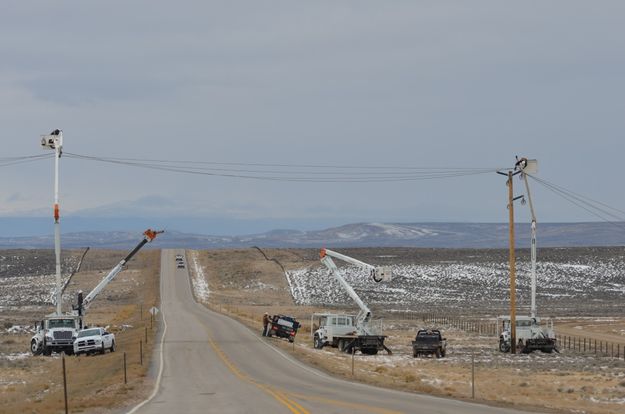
{"x":94,"y":340}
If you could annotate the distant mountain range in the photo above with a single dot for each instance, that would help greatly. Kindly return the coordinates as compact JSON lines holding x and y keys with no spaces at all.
{"x":440,"y":235}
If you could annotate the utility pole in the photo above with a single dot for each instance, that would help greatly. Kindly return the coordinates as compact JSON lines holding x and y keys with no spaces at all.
{"x":510,"y":174}
{"x":54,"y":141}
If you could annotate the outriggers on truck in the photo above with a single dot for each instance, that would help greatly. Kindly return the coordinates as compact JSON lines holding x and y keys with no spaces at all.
{"x":350,"y":333}
{"x":58,"y":331}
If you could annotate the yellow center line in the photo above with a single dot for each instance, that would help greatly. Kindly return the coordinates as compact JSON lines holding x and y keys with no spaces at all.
{"x":293,"y":406}
{"x":345,"y":404}
{"x":282,"y":396}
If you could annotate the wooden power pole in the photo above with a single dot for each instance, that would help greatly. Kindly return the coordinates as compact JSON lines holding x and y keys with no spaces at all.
{"x":511,"y":199}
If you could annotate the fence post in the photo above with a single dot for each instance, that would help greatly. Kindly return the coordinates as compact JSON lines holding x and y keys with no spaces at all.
{"x":353,"y":352}
{"x":473,"y":374}
{"x":146,"y":335}
{"x":64,"y":384}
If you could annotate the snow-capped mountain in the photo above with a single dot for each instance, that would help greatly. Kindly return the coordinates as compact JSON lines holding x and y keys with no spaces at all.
{"x":445,"y":235}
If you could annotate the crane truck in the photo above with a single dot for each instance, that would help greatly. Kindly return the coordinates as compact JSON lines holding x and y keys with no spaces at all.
{"x":349,"y":333}
{"x":531,"y":336}
{"x":58,"y":331}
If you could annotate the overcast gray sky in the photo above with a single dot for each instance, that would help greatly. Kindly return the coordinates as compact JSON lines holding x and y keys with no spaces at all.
{"x":406,"y":83}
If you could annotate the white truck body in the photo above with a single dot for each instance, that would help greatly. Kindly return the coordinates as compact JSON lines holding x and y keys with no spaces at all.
{"x":55,"y":333}
{"x":94,"y":340}
{"x":333,"y":326}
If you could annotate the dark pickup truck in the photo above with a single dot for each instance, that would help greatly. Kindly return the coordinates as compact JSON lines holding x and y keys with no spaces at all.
{"x":429,"y":342}
{"x":283,"y":327}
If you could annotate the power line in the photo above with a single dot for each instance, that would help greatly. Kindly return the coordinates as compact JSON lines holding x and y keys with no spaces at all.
{"x":365,"y":167}
{"x":8,"y":161}
{"x":364,"y":174}
{"x":583,"y":203}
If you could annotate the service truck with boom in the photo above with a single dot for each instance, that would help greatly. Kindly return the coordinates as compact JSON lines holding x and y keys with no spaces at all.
{"x":528,"y":332}
{"x":58,"y":331}
{"x":350,"y":333}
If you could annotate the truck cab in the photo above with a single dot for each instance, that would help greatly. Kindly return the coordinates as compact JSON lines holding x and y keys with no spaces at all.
{"x":55,"y":333}
{"x":330,"y":327}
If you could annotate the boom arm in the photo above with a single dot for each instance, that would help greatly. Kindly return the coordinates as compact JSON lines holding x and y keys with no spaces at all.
{"x":378,"y":274}
{"x":148,"y":236}
{"x":527,"y":167}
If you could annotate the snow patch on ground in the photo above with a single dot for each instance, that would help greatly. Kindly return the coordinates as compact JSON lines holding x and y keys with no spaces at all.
{"x":198,"y":279}
{"x":14,"y":357}
{"x":17,"y":329}
{"x":258,"y":285}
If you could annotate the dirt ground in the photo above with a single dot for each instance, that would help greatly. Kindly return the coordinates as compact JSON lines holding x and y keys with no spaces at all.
{"x":94,"y":383}
{"x":244,"y":284}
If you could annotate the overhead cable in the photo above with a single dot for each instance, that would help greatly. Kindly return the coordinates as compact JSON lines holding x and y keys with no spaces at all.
{"x":292,"y":172}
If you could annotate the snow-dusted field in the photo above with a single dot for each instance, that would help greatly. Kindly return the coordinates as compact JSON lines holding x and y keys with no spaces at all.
{"x":27,"y":277}
{"x":586,"y":280}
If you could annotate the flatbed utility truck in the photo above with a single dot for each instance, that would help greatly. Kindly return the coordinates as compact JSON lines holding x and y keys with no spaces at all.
{"x":58,"y":331}
{"x":349,"y":333}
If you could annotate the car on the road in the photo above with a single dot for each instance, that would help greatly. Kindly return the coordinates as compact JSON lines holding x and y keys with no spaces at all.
{"x":94,"y":340}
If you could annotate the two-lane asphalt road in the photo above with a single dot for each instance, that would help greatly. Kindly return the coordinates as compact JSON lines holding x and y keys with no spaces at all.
{"x":213,"y":364}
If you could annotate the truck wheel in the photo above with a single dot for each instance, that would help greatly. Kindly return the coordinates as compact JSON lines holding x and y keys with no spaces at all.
{"x":443,"y":352}
{"x":415,"y":354}
{"x":113,"y":346}
{"x":342,"y":345}
{"x":35,"y":348}
{"x":318,"y":342}
{"x":438,"y":353}
{"x":103,"y":350}
{"x":503,"y":347}
{"x":369,"y":351}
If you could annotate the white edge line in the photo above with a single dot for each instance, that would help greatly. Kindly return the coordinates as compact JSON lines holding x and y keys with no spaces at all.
{"x":160,"y":368}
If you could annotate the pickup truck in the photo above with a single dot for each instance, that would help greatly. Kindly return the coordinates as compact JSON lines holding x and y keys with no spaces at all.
{"x":283,"y":327}
{"x":94,"y":340}
{"x":429,"y":342}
